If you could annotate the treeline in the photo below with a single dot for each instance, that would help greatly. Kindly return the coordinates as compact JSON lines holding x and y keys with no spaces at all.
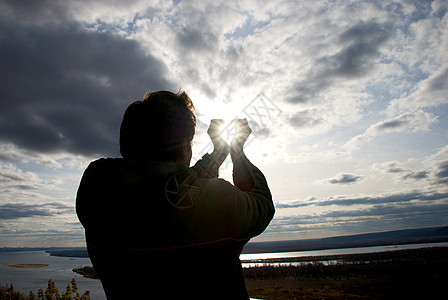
{"x":419,"y":263}
{"x":379,"y":269}
{"x":50,"y":293}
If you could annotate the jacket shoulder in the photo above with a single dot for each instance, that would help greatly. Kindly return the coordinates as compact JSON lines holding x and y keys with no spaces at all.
{"x":105,"y":162}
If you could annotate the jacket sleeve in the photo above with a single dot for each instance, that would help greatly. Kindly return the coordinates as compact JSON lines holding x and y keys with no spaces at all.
{"x":243,"y":210}
{"x":206,"y":167}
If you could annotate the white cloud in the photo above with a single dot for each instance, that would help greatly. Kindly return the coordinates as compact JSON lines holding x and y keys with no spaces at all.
{"x":438,"y":165}
{"x":416,"y":121}
{"x":430,"y":172}
{"x":431,"y":92}
{"x":437,"y":157}
{"x":401,"y":172}
{"x":11,"y":153}
{"x":13,"y":178}
{"x":344,"y":178}
{"x":320,"y":156}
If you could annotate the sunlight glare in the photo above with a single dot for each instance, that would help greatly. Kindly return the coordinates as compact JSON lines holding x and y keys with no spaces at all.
{"x":226,"y":112}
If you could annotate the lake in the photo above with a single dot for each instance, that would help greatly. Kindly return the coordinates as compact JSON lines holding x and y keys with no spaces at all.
{"x":359,"y":250}
{"x":59,"y":269}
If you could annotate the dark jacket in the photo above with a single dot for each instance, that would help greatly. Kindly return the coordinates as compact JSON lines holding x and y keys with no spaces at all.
{"x":163,"y":230}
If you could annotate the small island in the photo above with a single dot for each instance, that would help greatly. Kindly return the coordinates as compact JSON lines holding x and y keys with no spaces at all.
{"x":87,"y":271}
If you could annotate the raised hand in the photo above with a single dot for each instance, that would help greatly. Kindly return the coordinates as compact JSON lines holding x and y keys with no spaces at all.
{"x":220,"y":147}
{"x":243,"y":132}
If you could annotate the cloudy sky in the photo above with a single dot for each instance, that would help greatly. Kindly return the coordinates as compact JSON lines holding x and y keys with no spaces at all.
{"x":347,"y":99}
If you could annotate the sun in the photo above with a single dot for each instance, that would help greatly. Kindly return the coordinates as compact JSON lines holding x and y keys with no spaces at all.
{"x":228,"y":130}
{"x":224,"y":111}
{"x":207,"y":110}
{"x":219,"y":110}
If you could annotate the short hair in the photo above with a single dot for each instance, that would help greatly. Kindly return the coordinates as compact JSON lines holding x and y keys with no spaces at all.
{"x":155,"y":128}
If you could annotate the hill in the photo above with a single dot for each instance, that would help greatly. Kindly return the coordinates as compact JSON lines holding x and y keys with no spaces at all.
{"x":396,"y":237}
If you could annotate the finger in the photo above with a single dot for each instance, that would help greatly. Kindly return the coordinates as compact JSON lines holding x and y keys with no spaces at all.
{"x":216,"y":125}
{"x":217,"y":121}
{"x":241,"y":124}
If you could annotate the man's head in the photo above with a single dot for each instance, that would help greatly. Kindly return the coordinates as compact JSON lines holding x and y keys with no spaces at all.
{"x":159,"y":128}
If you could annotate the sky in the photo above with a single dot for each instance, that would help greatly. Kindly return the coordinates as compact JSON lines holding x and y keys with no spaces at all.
{"x":347,"y":101}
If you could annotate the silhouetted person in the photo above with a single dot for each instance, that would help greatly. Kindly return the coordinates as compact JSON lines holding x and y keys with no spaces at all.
{"x":157,"y":229}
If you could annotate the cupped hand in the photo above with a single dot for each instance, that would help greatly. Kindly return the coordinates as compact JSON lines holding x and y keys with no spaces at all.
{"x":220,"y":147}
{"x":214,"y":130}
{"x":243,"y":132}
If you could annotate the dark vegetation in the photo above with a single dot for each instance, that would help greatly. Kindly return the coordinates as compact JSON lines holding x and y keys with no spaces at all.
{"x":87,"y":271}
{"x":413,"y":274}
{"x":70,"y":252}
{"x":51,"y":293}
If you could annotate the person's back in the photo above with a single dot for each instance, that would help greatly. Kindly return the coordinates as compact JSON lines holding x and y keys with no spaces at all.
{"x":161,"y":229}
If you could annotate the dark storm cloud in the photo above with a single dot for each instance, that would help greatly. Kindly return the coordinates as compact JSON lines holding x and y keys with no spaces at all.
{"x":418,"y":175}
{"x":394,"y":168}
{"x":392,"y":124}
{"x":63,"y":88}
{"x":344,"y":179}
{"x":11,"y":211}
{"x":439,"y":82}
{"x":362,"y":43}
{"x":35,"y":11}
{"x":441,"y":172}
{"x":305,"y":119}
{"x":360,"y":49}
{"x":192,"y":39}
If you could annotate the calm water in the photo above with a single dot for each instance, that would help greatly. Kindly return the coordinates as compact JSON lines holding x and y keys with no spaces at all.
{"x":331,"y":252}
{"x":59,"y":269}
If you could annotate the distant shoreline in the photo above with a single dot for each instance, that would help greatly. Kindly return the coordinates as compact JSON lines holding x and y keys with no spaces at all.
{"x":26,"y":265}
{"x":388,"y":238}
{"x":397,"y":255}
{"x":371,"y":256}
{"x":82,"y":253}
